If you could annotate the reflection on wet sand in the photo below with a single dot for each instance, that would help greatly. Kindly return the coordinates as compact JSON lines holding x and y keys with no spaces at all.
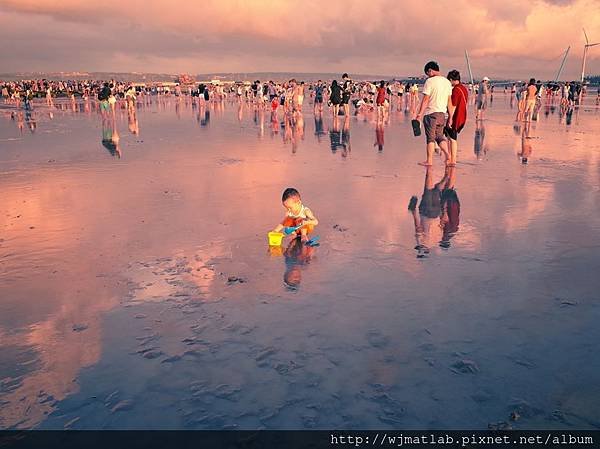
{"x":297,"y":256}
{"x":58,"y":346}
{"x":480,"y":147}
{"x":340,"y":138}
{"x":526,"y":148}
{"x":379,"y":136}
{"x":437,"y":217}
{"x":156,"y":269}
{"x":110,"y":137}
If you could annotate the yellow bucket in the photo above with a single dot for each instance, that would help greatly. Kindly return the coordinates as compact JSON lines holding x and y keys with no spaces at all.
{"x":275,"y":238}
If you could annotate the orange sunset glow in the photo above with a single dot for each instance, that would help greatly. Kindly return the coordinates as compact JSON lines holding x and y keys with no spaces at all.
{"x":509,"y":38}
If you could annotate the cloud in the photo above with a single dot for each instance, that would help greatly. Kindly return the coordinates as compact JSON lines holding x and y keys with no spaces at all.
{"x":376,"y":36}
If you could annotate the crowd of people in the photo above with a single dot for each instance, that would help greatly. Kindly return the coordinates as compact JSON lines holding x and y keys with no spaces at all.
{"x":439,"y":104}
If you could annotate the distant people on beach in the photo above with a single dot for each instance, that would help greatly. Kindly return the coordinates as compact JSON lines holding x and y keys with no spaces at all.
{"x":103,"y":97}
{"x":380,"y":100}
{"x":335,"y":97}
{"x":347,"y":88}
{"x":483,"y":98}
{"x":531,"y":100}
{"x":319,"y":91}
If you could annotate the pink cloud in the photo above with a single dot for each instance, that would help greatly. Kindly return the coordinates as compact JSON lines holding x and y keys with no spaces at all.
{"x":375,"y":36}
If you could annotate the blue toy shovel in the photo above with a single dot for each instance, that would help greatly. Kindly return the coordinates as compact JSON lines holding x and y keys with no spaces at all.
{"x":289,"y":229}
{"x":313,"y":242}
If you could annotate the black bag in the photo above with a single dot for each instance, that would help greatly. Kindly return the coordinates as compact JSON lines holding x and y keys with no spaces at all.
{"x":416,"y":126}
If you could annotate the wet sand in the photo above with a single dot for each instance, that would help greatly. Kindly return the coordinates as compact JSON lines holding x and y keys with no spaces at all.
{"x":139,"y":292}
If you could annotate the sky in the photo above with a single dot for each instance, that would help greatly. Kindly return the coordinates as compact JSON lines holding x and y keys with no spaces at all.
{"x":507,"y":38}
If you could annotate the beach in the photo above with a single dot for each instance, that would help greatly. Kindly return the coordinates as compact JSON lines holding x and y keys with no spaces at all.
{"x":140,"y":291}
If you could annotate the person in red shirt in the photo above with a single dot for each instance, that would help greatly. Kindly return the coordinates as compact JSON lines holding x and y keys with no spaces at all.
{"x":380,"y":100}
{"x":457,"y":113}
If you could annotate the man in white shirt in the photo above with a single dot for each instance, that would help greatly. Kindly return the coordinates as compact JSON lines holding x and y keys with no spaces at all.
{"x":432,"y":112}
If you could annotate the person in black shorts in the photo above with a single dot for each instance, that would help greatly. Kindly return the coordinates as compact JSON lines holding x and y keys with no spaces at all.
{"x":346,"y":93}
{"x":319,"y":88}
{"x":335,"y":97}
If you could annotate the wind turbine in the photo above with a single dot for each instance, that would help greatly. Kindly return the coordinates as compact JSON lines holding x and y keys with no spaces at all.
{"x":469,"y":66}
{"x":562,"y":64}
{"x":585,"y":49}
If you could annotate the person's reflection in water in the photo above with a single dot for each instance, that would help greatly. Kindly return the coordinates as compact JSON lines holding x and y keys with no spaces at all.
{"x":298,"y":127}
{"x":450,"y":217}
{"x":340,"y":139}
{"x":569,"y":115}
{"x":20,"y":121}
{"x":274,"y":123}
{"x":429,"y":211}
{"x":177,"y":107}
{"x":240,"y":111}
{"x":517,"y":129}
{"x":261,"y":123}
{"x":319,"y":130}
{"x":526,"y":148}
{"x":110,"y":137}
{"x":296,"y":256}
{"x":346,"y":136}
{"x":288,"y":135}
{"x":479,"y":146}
{"x":379,"y":136}
{"x":134,"y":127}
{"x":206,"y":120}
{"x":30,"y":120}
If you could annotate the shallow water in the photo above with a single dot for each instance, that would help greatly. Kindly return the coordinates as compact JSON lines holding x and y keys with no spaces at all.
{"x":139,"y":291}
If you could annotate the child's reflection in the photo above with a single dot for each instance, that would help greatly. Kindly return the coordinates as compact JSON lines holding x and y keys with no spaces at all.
{"x":297,"y":254}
